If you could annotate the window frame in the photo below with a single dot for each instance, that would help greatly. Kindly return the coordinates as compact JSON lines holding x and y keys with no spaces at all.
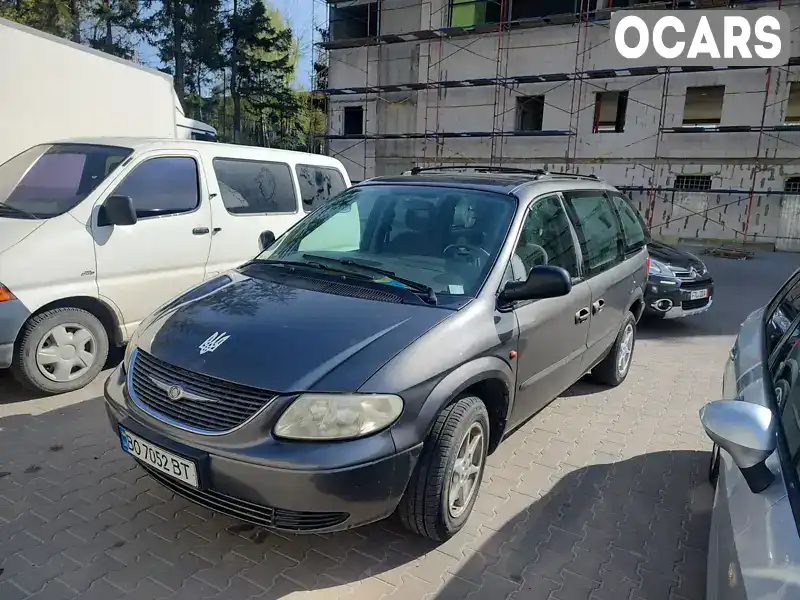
{"x":198,"y":168}
{"x":575,"y":243}
{"x":790,"y":473}
{"x":575,"y":221}
{"x":628,"y":251}
{"x":353,"y":107}
{"x":310,"y":166}
{"x":292,"y":176}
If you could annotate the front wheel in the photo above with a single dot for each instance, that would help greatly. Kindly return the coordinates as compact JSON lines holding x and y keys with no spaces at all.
{"x":60,"y":350}
{"x":614,"y":368}
{"x":444,"y":486}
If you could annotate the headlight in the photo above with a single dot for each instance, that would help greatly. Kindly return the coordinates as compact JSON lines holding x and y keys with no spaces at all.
{"x":338,"y":416}
{"x":659,"y":268}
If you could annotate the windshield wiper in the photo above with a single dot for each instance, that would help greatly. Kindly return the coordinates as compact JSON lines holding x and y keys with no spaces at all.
{"x":427,"y":292}
{"x":18,"y":211}
{"x":303,"y":264}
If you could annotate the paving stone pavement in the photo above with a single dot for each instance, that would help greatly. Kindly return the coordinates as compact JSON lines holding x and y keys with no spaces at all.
{"x":601,"y":496}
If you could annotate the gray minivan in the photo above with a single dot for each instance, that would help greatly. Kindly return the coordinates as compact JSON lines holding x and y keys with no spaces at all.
{"x":371,"y":357}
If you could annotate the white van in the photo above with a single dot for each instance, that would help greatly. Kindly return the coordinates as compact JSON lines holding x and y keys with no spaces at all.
{"x":95,"y":234}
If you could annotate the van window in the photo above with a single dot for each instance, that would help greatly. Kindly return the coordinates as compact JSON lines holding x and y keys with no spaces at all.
{"x":633,"y":227}
{"x":317,"y":184}
{"x":545,"y":239}
{"x":166,"y":185}
{"x":251,"y":187}
{"x":601,"y":238}
{"x":48,"y":180}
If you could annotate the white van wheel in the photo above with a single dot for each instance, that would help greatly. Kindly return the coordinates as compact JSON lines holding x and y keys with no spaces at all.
{"x":60,"y":350}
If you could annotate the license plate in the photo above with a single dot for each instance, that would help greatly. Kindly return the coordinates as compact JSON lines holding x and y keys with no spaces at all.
{"x":168,"y":463}
{"x":698,"y":294}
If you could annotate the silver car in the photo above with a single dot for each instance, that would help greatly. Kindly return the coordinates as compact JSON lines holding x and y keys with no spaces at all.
{"x":754,"y":543}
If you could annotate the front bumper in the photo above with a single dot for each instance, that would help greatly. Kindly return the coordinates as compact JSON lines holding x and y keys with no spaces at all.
{"x":271,"y":483}
{"x":13,"y":315}
{"x":671,"y":300}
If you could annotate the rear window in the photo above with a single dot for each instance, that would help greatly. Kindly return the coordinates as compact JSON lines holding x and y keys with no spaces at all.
{"x":318,"y":184}
{"x":48,"y":180}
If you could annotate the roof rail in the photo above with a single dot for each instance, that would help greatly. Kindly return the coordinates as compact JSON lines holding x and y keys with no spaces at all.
{"x":489,"y":169}
{"x":477,"y":168}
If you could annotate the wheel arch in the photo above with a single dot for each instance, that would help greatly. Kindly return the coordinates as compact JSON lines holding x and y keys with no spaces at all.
{"x":488,"y":378}
{"x":104,"y":313}
{"x":636,"y":304}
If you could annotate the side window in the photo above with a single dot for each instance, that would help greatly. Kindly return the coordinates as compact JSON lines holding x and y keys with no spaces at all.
{"x":251,"y":187}
{"x":317,"y":184}
{"x":782,"y":314}
{"x":633,"y":227}
{"x":166,"y":185}
{"x":601,"y":239}
{"x":545,"y":239}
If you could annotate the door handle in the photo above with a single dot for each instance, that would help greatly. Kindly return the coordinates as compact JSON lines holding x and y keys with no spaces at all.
{"x":598,"y":306}
{"x":582,"y":316}
{"x":200,"y":230}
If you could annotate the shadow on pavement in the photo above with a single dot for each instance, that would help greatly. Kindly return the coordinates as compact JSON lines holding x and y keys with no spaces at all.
{"x":640,"y":525}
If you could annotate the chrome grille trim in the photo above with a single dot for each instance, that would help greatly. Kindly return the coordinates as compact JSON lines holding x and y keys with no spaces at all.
{"x":225,"y":408}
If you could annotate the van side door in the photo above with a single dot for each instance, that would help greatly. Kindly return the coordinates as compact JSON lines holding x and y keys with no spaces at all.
{"x":249,"y":197}
{"x":553,"y":331}
{"x":610,"y":277}
{"x":141,"y":266}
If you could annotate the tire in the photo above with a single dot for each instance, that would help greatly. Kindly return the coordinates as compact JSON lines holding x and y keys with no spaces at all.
{"x":40,"y":337}
{"x":425,"y":507}
{"x":608,"y":371}
{"x":713,"y":466}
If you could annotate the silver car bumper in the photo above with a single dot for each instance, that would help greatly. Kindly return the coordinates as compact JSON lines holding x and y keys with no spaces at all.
{"x":676,"y":312}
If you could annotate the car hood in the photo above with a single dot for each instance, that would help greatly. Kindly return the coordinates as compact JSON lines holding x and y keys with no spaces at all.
{"x":13,"y":231}
{"x":673,"y":256}
{"x":282,"y":338}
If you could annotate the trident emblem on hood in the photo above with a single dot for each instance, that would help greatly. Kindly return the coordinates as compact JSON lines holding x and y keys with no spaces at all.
{"x":215,"y":341}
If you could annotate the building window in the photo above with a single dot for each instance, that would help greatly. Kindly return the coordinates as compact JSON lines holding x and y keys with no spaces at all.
{"x":792,"y":185}
{"x":609,"y":111}
{"x":352,"y":22}
{"x":793,"y":103}
{"x":693,"y":183}
{"x":468,"y":13}
{"x":703,"y":105}
{"x":353,"y":120}
{"x":530,"y":113}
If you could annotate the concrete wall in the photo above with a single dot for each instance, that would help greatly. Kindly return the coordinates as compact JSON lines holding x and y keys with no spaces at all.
{"x":638,"y":156}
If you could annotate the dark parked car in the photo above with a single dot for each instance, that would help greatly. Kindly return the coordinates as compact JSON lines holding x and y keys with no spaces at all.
{"x":370,"y":358}
{"x":679,"y":284}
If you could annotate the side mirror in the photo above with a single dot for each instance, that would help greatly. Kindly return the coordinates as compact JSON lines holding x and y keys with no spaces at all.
{"x":265,"y":239}
{"x":117,"y":210}
{"x":543,"y":282}
{"x":747,"y":432}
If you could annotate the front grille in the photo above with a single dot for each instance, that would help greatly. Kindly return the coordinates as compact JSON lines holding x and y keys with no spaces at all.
{"x":692,"y":304}
{"x":697,"y":284}
{"x":209,"y":405}
{"x":265,"y":516}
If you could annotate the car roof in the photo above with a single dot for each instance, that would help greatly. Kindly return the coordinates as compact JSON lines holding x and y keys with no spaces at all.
{"x":504,"y":183}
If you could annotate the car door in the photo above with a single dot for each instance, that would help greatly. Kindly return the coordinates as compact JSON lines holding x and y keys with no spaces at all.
{"x":249,"y":198}
{"x":553,"y":331}
{"x":610,"y":278}
{"x":141,"y":266}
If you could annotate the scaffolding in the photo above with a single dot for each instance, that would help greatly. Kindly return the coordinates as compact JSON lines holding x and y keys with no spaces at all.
{"x":431,"y":85}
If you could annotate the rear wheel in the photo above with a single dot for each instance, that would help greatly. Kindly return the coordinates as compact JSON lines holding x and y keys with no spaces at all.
{"x":614,"y":368}
{"x":444,"y":486}
{"x":60,"y":350}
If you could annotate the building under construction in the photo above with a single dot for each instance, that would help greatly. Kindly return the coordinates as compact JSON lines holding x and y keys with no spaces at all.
{"x":706,"y":153}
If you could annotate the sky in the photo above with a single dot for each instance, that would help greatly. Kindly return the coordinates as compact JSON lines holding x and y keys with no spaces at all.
{"x":297,"y":14}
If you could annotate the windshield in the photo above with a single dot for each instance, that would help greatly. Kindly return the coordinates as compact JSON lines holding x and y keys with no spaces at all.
{"x":50,"y":179}
{"x":441,"y":238}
